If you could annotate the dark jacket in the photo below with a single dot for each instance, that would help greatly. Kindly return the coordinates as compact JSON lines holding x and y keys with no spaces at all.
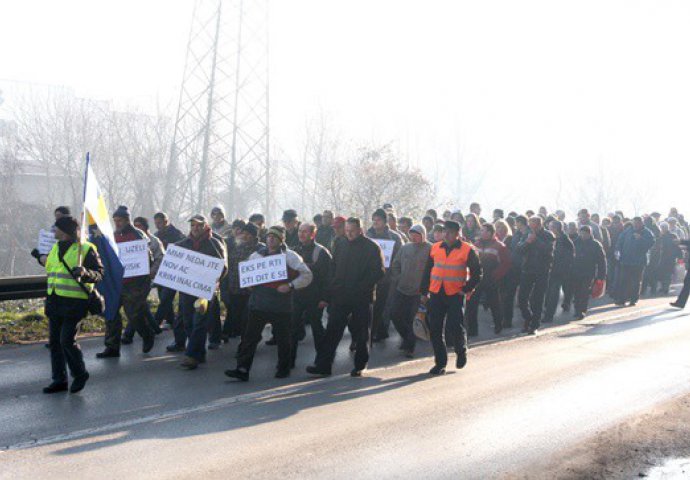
{"x":324,"y":236}
{"x":634,"y":246}
{"x":210,"y":246}
{"x":590,"y":260}
{"x":387,"y":234}
{"x":538,"y":256}
{"x":239,"y":252}
{"x":357,"y":268}
{"x":669,"y":253}
{"x":516,"y":256}
{"x":266,"y":297}
{"x":130,"y":234}
{"x":563,"y":255}
{"x":170,"y":236}
{"x":292,"y":237}
{"x":318,"y":259}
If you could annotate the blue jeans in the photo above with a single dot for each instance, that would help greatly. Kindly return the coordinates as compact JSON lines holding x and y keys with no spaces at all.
{"x":446,"y":308}
{"x":196,"y":325}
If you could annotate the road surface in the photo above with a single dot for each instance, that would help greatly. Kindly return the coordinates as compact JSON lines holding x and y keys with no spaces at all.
{"x":520,"y":402}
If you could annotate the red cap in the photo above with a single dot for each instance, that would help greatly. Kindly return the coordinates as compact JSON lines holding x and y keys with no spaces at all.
{"x":339,"y":220}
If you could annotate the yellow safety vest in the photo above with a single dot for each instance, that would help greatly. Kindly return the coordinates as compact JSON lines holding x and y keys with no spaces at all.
{"x":60,"y":281}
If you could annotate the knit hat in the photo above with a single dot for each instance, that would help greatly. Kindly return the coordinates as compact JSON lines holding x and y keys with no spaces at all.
{"x":122,"y":212}
{"x":251,"y":229}
{"x":289,"y":215}
{"x":278,"y":232}
{"x":420,"y":229}
{"x":68,"y":225}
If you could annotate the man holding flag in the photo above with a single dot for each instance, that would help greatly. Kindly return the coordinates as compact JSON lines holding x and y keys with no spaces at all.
{"x":135,"y":291}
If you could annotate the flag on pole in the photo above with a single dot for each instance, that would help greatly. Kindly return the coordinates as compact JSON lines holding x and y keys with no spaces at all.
{"x":96,"y":224}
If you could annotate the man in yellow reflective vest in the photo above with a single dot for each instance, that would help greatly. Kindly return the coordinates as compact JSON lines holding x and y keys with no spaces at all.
{"x":67,"y":300}
{"x":453,"y":271}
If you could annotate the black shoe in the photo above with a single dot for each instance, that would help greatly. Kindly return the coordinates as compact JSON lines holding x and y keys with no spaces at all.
{"x":677,"y":305}
{"x":356,"y":372}
{"x":620,"y":304}
{"x":437,"y":370}
{"x":78,"y":383}
{"x":532,"y":331}
{"x":238,"y":374}
{"x":108,"y":353}
{"x":157,"y":329}
{"x":353,"y":346}
{"x":272,"y":342}
{"x":314,"y":370}
{"x":461,"y":360}
{"x":282,"y":373}
{"x":633,"y":304}
{"x":126,"y":341}
{"x":173,"y":348}
{"x":55,"y":388}
{"x":408,"y":352}
{"x":148,"y":344}
{"x":579,"y":316}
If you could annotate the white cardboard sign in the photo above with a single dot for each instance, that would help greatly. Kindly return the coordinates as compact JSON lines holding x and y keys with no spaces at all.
{"x":135,"y":258}
{"x":387,"y":247}
{"x":263,"y":270}
{"x":189,"y":272}
{"x":46,"y":240}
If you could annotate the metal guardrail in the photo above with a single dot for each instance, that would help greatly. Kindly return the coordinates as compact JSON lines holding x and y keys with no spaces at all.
{"x":18,"y":288}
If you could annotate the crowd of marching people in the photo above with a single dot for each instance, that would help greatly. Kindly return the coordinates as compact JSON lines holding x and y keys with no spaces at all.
{"x":449,"y":266}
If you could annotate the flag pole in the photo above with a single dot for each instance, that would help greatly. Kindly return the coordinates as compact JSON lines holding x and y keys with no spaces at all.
{"x":83,"y":228}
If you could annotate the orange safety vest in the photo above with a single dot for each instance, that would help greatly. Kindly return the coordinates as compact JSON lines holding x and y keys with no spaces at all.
{"x":449,"y":271}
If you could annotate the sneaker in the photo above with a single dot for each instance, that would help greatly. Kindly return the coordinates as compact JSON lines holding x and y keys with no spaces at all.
{"x":461,"y":360}
{"x":79,"y":383}
{"x":213,"y":346}
{"x":126,"y":341}
{"x":282,"y":373}
{"x":174,"y":348}
{"x":238,"y":374}
{"x":314,"y":370}
{"x":189,"y":363}
{"x":148,"y":344}
{"x":355,"y":373}
{"x":437,"y":370}
{"x":108,"y":353}
{"x":55,"y":388}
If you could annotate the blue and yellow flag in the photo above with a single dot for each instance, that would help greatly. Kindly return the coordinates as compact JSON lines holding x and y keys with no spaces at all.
{"x":101,"y":234}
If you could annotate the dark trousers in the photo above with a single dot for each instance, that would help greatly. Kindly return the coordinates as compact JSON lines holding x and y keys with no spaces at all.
{"x":531,"y":298}
{"x":685,"y":292}
{"x":129,"y":329}
{"x":196,"y":326}
{"x":252,"y":336}
{"x":63,"y":325}
{"x":492,"y":297}
{"x":444,"y":308}
{"x":214,"y":326}
{"x":381,"y":318}
{"x":360,"y":321}
{"x":133,"y":301}
{"x":166,"y":308}
{"x":236,"y":317}
{"x":306,"y":310}
{"x":511,"y":282}
{"x":567,"y":293}
{"x":553,"y":294}
{"x":403,"y":309}
{"x":630,"y":283}
{"x":582,"y":291}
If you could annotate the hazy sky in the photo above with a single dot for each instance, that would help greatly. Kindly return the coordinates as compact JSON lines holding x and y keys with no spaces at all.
{"x":533,"y":92}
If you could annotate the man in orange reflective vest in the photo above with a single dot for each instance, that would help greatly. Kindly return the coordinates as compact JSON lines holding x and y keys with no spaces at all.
{"x":452,"y":272}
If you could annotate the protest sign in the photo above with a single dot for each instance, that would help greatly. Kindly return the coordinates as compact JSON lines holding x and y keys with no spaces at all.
{"x":387,"y":247}
{"x":263,"y":270}
{"x":189,"y":272}
{"x":135,"y":258}
{"x":46,"y":240}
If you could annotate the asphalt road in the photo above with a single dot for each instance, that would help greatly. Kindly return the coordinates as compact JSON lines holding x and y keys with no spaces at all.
{"x":519,"y":401}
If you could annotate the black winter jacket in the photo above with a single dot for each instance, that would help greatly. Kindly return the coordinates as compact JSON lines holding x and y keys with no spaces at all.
{"x":357,"y":268}
{"x":590,"y":260}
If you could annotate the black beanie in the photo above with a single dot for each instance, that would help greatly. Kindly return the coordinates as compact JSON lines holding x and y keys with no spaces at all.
{"x":122,"y":212}
{"x":68,"y":225}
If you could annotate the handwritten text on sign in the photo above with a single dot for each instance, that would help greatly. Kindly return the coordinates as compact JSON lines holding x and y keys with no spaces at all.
{"x":46,"y":240}
{"x":263,"y":270}
{"x":135,"y":258}
{"x":387,"y":247}
{"x":189,"y":272}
